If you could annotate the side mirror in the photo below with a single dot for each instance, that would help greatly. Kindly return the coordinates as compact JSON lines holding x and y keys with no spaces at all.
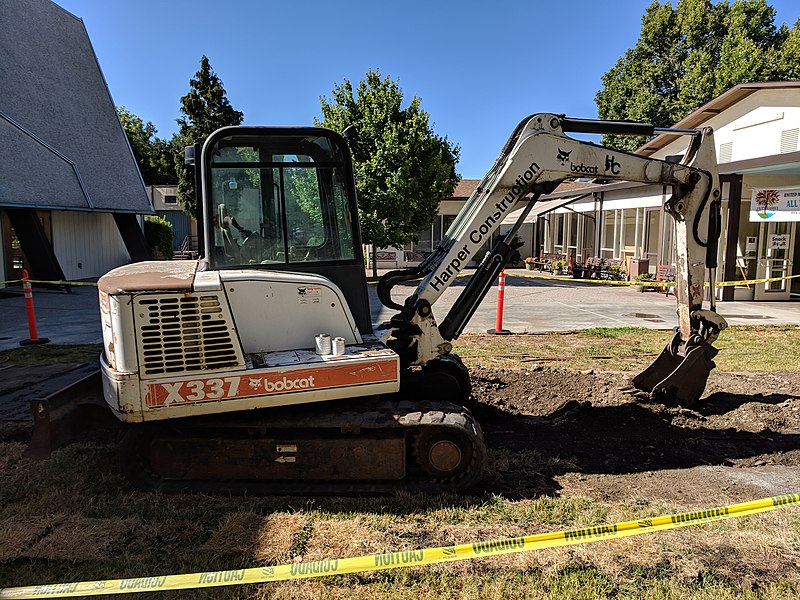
{"x":188,"y":155}
{"x":350,"y":133}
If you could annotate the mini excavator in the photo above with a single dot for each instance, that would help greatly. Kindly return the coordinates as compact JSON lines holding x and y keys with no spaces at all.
{"x":220,"y":372}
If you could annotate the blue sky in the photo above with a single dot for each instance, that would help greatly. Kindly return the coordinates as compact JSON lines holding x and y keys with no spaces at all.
{"x":479,"y":67}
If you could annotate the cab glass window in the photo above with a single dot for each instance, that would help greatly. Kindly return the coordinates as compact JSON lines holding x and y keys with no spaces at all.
{"x":279,"y":200}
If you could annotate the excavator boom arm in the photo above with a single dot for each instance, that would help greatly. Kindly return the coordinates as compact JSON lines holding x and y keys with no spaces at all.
{"x":537,"y":157}
{"x":541,"y":157}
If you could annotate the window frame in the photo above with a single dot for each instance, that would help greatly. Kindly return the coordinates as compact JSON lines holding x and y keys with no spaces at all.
{"x":344,"y":165}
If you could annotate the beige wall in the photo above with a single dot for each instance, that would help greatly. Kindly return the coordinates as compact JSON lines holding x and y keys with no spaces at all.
{"x":87,"y":244}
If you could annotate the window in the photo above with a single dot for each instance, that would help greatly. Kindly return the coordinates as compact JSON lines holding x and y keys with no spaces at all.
{"x":608,"y":231}
{"x":171,"y":199}
{"x":653,"y":219}
{"x":557,"y":231}
{"x":628,"y":240}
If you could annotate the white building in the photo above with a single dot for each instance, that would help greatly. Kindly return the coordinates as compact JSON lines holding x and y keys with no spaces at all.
{"x":184,"y":228}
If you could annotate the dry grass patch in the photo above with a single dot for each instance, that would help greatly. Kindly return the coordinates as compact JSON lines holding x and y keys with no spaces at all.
{"x":276,"y":536}
{"x":80,"y":539}
{"x":630,"y":348}
{"x":18,"y":534}
{"x":236,"y":534}
{"x":52,"y":353}
{"x":333,"y":538}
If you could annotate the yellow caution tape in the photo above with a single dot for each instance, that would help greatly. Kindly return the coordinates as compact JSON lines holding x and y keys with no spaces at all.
{"x":508,"y":273}
{"x":76,"y":283}
{"x":650,"y":283}
{"x":394,"y":560}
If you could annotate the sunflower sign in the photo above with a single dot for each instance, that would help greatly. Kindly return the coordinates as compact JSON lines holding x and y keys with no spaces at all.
{"x":775,"y":205}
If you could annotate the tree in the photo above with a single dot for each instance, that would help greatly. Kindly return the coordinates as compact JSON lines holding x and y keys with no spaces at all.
{"x":205,"y":109}
{"x":403,"y":169}
{"x":159,"y":235}
{"x":789,"y":58}
{"x":152,"y":154}
{"x":687,"y":55}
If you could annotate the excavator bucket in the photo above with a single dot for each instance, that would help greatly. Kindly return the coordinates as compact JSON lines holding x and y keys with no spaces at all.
{"x":678,"y":378}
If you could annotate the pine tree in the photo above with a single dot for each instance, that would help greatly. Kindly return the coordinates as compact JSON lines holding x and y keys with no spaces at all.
{"x":205,"y":109}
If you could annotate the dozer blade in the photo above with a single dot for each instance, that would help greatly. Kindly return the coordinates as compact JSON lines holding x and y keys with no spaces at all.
{"x":68,"y":415}
{"x":677,"y":379}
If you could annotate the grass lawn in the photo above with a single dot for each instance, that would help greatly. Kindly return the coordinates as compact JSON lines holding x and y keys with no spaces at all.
{"x":74,"y":517}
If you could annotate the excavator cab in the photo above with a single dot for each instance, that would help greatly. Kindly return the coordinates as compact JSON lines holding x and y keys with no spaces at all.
{"x":283,"y":199}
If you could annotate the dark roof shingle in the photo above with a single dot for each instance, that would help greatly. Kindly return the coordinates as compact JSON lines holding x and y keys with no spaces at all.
{"x":63,"y":145}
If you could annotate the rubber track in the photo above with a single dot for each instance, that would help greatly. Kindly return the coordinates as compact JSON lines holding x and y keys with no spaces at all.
{"x":384,"y":415}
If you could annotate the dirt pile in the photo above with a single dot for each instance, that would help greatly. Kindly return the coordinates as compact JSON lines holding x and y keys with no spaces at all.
{"x":572,"y":425}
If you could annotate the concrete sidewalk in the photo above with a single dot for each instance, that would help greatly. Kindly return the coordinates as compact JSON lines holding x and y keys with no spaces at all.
{"x":541,"y":304}
{"x":64,"y":318}
{"x":531,"y":305}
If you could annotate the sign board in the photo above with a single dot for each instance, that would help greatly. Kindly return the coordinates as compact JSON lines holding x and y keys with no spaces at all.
{"x":779,"y":241}
{"x":778,"y":204}
{"x":751,"y":245}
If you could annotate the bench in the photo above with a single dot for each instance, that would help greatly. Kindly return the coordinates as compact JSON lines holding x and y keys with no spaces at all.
{"x":666,"y":273}
{"x":612,"y":269}
{"x":546,"y":260}
{"x":384,"y":256}
{"x":595,"y":267}
{"x":590,"y":269}
{"x":415,"y":255}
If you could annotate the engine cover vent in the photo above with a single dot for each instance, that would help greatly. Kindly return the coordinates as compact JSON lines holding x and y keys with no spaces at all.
{"x":183,"y":333}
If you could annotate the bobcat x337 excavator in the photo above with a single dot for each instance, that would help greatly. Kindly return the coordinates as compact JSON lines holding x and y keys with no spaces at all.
{"x":212,"y":364}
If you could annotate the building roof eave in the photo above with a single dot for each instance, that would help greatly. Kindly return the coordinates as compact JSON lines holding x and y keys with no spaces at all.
{"x":39,"y":206}
{"x":788,"y":160}
{"x":712,"y":108}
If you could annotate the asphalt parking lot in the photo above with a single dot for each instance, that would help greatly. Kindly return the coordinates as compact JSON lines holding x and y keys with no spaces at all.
{"x":540,"y":303}
{"x":531,"y":305}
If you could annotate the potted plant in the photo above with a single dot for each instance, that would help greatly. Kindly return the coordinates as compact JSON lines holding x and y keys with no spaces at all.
{"x":640,"y":282}
{"x":558,"y":266}
{"x":616,"y":272}
{"x":530,"y":262}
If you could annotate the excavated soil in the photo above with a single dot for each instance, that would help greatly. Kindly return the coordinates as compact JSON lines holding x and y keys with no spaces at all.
{"x":566,"y":432}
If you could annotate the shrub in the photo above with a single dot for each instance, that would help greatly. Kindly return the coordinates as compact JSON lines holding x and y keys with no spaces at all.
{"x":158,"y":233}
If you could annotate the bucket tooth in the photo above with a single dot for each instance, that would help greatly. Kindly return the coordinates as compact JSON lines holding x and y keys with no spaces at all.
{"x":675,"y":379}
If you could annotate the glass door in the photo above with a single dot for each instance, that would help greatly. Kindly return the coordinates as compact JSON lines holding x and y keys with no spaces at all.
{"x":776,"y":248}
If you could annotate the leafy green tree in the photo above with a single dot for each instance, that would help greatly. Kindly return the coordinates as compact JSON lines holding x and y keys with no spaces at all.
{"x":205,"y":109}
{"x":789,"y":58}
{"x":153,"y":154}
{"x":159,"y":236}
{"x":403,"y":169}
{"x":687,"y":55}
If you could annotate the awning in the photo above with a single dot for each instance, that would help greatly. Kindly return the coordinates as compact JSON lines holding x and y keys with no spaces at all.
{"x":539,"y":209}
